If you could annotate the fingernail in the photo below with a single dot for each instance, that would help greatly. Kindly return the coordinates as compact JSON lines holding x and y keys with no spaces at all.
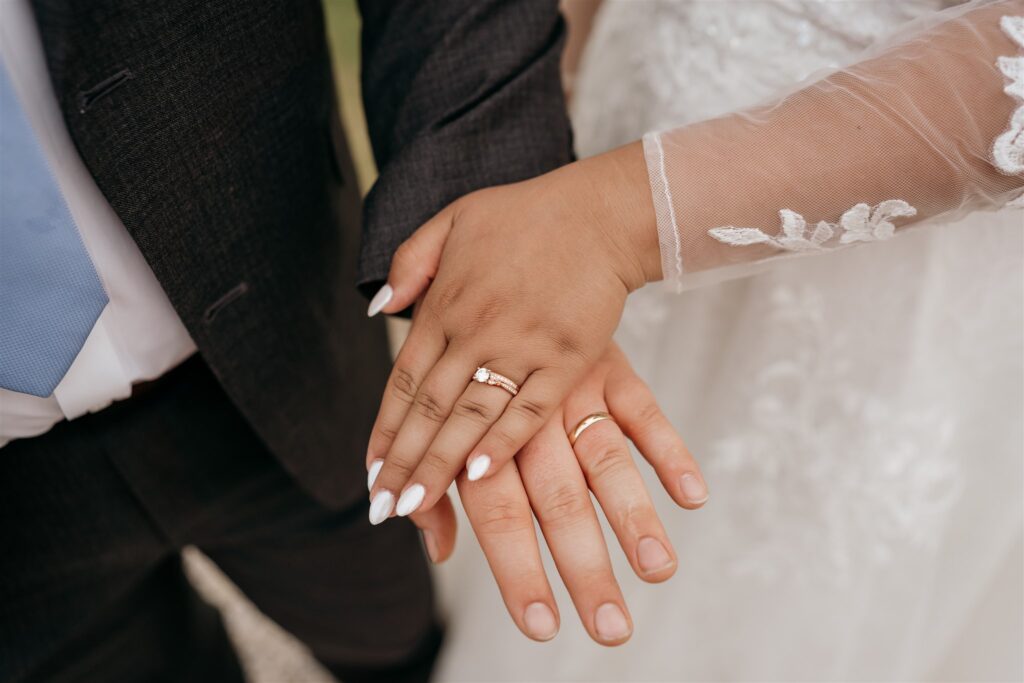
{"x":380,"y":300}
{"x":380,"y":508}
{"x":371,"y":475}
{"x":610,"y":622}
{"x":651,"y":555}
{"x":693,"y":489}
{"x":431,"y":544}
{"x":540,"y":621}
{"x":410,"y":500}
{"x":478,"y":467}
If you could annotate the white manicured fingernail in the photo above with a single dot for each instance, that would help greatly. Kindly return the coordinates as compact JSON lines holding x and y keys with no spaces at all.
{"x":380,"y":508}
{"x":371,"y":475}
{"x":380,"y":300}
{"x":478,"y":467}
{"x":410,"y":500}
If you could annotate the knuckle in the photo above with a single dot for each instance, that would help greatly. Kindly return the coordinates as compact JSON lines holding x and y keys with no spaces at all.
{"x":396,"y":470}
{"x":607,"y":459}
{"x":481,"y":317}
{"x":490,"y":309}
{"x":503,"y":517}
{"x":563,"y":505}
{"x":450,"y":295}
{"x":648,"y":413}
{"x":405,"y":255}
{"x":429,"y":407}
{"x":474,"y":410}
{"x":386,"y":433}
{"x":506,"y":439}
{"x":568,"y":344}
{"x":563,"y":341}
{"x":436,"y":462}
{"x":532,"y":410}
{"x":403,"y":385}
{"x":631,"y":518}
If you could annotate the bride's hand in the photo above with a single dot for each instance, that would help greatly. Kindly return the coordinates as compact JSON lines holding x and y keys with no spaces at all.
{"x":553,"y":480}
{"x":531,"y":284}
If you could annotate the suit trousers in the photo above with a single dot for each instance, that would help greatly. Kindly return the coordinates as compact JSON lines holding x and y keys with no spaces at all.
{"x":94,"y":515}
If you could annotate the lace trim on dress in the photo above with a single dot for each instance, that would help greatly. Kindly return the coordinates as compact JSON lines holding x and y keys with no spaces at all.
{"x":862,"y":223}
{"x":1008,"y":150}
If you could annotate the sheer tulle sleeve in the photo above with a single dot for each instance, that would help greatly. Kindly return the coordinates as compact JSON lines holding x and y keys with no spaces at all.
{"x":931,"y":125}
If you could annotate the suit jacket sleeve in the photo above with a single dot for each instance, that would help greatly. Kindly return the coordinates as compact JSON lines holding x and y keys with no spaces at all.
{"x":459,"y":95}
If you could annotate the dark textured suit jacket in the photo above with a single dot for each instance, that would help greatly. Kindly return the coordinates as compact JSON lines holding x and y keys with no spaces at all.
{"x":210,"y":126}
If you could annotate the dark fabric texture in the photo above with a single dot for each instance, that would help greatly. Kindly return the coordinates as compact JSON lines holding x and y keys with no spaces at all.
{"x":459,"y":95}
{"x":93,"y":516}
{"x":211,"y":127}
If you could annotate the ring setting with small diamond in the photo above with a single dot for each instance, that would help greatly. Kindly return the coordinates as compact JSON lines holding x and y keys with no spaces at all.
{"x":485,"y":376}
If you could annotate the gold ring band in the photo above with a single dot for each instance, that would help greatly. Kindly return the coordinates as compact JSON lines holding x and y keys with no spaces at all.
{"x":485,"y":376}
{"x":586,"y":422}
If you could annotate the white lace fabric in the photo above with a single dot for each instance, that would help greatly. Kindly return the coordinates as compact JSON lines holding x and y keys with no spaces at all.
{"x":930,"y":126}
{"x":857,"y":412}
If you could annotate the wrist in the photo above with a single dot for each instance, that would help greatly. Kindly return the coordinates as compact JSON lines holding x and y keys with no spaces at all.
{"x":619,"y":199}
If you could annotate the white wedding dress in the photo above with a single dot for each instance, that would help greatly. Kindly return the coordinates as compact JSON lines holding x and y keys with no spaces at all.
{"x":859,"y":415}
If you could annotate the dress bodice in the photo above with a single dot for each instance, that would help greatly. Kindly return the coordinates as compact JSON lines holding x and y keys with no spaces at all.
{"x":657,"y":64}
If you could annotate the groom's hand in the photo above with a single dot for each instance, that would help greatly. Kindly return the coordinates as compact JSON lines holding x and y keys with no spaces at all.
{"x":531,"y":284}
{"x":552,"y":480}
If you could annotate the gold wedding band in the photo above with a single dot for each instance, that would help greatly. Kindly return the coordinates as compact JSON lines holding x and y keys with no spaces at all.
{"x":485,"y":376}
{"x":586,"y":422}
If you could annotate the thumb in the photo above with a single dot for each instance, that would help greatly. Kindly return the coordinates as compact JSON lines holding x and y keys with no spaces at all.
{"x":413,"y":266}
{"x":437,"y":526}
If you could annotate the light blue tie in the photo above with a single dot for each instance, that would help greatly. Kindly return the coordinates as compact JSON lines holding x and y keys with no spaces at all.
{"x":50,"y":295}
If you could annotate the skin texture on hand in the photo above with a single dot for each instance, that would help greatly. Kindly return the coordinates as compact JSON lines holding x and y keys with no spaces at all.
{"x":552,"y":481}
{"x":531,"y":282}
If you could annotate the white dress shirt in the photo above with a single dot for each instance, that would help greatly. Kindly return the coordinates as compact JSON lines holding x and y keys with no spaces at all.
{"x":138,"y":336}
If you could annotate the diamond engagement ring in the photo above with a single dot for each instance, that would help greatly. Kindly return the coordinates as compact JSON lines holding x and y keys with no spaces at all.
{"x":485,"y":376}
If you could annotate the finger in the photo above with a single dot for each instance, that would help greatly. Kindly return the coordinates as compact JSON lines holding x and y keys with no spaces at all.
{"x":413,"y":266}
{"x":474,"y":412}
{"x":538,"y":397}
{"x":428,"y":412}
{"x":640,"y":418}
{"x":612,"y":475}
{"x":561,"y":502}
{"x":420,"y":352}
{"x":500,"y":515}
{"x":438,"y":528}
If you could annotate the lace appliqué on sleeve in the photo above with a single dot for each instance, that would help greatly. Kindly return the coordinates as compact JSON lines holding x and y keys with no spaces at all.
{"x":871,"y":224}
{"x":862,"y":223}
{"x":1008,"y":150}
